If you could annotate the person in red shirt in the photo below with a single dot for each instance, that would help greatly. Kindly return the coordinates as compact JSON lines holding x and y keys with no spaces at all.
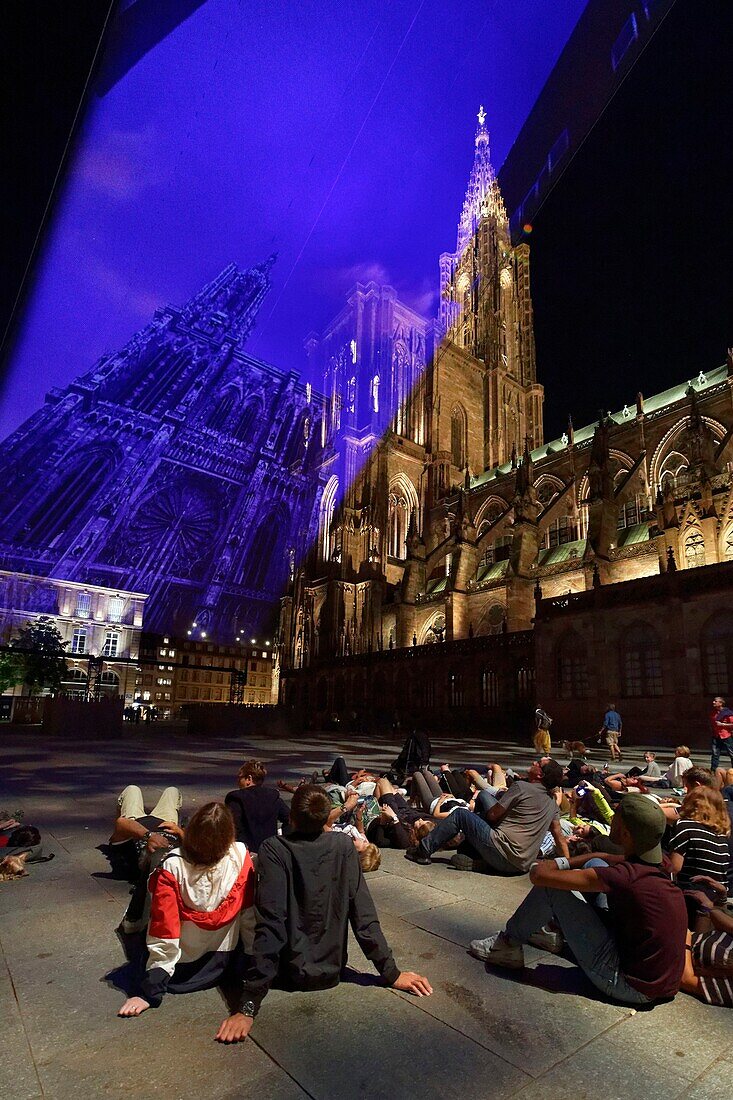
{"x":634,"y":954}
{"x":721,"y":728}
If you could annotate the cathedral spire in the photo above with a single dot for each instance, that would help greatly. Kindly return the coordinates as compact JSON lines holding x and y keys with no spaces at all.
{"x":482,"y":194}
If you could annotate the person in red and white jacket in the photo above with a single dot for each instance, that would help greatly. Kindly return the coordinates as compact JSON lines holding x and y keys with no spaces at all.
{"x":201,"y":914}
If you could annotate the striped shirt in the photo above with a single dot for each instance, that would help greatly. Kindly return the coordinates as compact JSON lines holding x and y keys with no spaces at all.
{"x":712,"y":960}
{"x":704,"y":852}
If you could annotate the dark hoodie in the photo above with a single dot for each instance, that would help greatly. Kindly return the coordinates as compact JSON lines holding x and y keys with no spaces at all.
{"x":310,"y":888}
{"x":256,"y":812}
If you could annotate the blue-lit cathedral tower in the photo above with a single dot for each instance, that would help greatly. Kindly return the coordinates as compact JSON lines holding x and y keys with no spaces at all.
{"x":416,"y":409}
{"x":179,"y":466}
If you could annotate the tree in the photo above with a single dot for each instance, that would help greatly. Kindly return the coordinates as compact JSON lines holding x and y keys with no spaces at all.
{"x":12,"y":671}
{"x":39,"y":651}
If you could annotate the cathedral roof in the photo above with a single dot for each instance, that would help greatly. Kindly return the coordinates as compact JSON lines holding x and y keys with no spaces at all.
{"x":482,"y":194}
{"x":658,"y":401}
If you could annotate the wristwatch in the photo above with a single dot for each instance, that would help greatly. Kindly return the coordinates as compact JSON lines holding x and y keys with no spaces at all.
{"x":248,"y":1009}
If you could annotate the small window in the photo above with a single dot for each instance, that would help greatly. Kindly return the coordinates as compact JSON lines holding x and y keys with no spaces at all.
{"x":115,"y":609}
{"x":83,"y":604}
{"x":489,"y":688}
{"x":111,"y":644}
{"x":79,"y":640}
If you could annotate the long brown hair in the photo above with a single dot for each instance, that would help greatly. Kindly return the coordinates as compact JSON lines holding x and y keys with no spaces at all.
{"x":706,"y":807}
{"x":209,"y":835}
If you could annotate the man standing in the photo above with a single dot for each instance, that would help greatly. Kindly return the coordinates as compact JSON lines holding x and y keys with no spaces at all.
{"x":507,"y":832}
{"x":611,"y":729}
{"x":541,"y":739}
{"x":635,"y":953}
{"x":721,"y":728}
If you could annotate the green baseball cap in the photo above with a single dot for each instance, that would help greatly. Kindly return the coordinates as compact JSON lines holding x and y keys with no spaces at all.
{"x":646,"y":824}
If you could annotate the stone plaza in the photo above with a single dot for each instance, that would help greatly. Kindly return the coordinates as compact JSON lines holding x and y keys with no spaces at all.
{"x":543,"y":1032}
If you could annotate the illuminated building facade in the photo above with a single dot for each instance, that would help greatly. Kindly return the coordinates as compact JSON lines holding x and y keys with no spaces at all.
{"x":179,"y":466}
{"x":92,"y":620}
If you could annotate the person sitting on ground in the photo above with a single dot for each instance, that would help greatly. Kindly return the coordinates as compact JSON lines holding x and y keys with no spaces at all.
{"x":694,"y":777}
{"x":635,"y":953}
{"x":700,"y":844}
{"x":505,"y":832}
{"x":256,"y":808}
{"x":679,"y":766}
{"x":310,"y":889}
{"x":708,"y":972}
{"x":201,"y":916}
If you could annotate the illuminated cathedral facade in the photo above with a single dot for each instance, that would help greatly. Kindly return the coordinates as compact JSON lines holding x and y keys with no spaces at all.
{"x":445,"y":517}
{"x":403,"y":501}
{"x":180,"y":467}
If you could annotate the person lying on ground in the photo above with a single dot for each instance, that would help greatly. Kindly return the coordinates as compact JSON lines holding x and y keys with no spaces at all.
{"x":256,"y":808}
{"x":589,"y":806}
{"x":426,"y":792}
{"x":339,"y":774}
{"x":635,"y":953}
{"x":505,"y":832}
{"x":310,"y":889}
{"x":143,"y":833}
{"x":201,"y":916}
{"x":398,"y":821}
{"x":369,"y":854}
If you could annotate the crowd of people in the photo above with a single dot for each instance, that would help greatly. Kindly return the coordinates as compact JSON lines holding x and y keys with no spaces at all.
{"x":630,"y":872}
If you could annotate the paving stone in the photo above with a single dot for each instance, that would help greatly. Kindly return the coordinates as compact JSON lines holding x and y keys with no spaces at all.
{"x":390,"y":1051}
{"x":146,"y":1061}
{"x":716,"y":1081}
{"x":460,"y":921}
{"x":543,"y":1009}
{"x":541,"y":1033}
{"x":18,"y":1077}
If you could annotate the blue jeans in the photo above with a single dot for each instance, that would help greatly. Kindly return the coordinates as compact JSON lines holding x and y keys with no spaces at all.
{"x":585,"y":933}
{"x":477,"y":832}
{"x":716,"y":747}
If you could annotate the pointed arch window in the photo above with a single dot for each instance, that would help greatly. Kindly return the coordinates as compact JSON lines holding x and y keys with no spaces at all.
{"x":641,"y":662}
{"x":63,"y":506}
{"x":717,"y":654}
{"x":328,"y":506}
{"x":572,"y":668}
{"x":246,"y":426}
{"x":458,"y":436}
{"x":694,"y":549}
{"x":672,"y":470}
{"x":223,"y":409}
{"x":401,"y":506}
{"x":264,"y":566}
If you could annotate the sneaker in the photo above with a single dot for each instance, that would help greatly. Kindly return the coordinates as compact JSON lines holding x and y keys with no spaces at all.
{"x":497,"y":950}
{"x":418,"y":855}
{"x":547,"y":941}
{"x":463,"y":862}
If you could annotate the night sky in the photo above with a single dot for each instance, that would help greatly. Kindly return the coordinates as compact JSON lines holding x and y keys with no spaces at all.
{"x":337,"y":133}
